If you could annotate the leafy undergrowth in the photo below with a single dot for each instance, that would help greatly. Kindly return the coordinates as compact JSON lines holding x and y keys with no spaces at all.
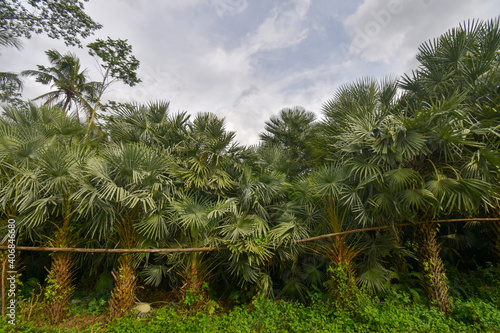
{"x":481,"y":283}
{"x":396,"y":313}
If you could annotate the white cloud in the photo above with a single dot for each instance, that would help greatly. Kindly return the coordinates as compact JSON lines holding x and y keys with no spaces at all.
{"x":282,"y":28}
{"x":229,"y":7}
{"x":391,"y":31}
{"x":190,"y":56}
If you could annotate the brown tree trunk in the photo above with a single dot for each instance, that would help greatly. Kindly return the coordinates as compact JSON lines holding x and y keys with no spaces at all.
{"x":59,"y":281}
{"x":495,"y":226}
{"x":192,"y":292}
{"x":431,"y":268}
{"x":345,"y":292}
{"x":123,"y":294}
{"x":343,"y":255}
{"x":496,"y":230}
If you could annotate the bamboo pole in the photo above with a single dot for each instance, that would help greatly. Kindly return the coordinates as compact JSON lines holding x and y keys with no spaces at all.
{"x":393,"y":226}
{"x":84,"y":250}
{"x":209,"y":249}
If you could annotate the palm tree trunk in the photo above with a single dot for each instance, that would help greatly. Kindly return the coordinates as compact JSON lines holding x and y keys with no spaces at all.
{"x":123,"y":294}
{"x":59,"y":281}
{"x":495,"y":226}
{"x":342,"y":255}
{"x":93,"y":110}
{"x":431,"y":267}
{"x":192,"y":286}
{"x":344,"y":290}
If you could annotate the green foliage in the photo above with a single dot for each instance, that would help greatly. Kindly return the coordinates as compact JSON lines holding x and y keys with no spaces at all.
{"x":10,"y":87}
{"x":347,"y":297}
{"x":117,"y":58}
{"x":193,"y":297}
{"x":58,"y":19}
{"x":94,"y":306}
{"x":70,"y":82}
{"x":482,"y":283}
{"x":397,"y":313}
{"x":293,"y":131}
{"x":166,"y":181}
{"x":484,"y":317}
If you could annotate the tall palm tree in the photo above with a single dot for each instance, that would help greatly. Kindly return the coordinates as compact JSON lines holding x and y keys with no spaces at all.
{"x":71,"y":83}
{"x":247,"y":230}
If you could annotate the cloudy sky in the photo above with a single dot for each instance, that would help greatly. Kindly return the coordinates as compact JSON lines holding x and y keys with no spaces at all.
{"x":245,"y":60}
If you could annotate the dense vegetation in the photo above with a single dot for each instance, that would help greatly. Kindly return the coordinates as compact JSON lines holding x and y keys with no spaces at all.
{"x":412,"y":161}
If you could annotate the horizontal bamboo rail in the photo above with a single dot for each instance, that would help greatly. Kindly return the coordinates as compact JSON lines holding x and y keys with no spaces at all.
{"x":393,"y":226}
{"x":210,"y":249}
{"x":85,"y":250}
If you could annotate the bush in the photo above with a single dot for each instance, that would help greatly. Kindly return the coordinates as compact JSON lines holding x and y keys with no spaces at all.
{"x":395,"y":313}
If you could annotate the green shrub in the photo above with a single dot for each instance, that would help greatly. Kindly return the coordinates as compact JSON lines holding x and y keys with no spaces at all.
{"x":482,"y":316}
{"x":395,"y":313}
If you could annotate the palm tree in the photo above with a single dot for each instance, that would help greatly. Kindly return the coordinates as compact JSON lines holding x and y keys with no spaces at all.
{"x":465,"y":61}
{"x":204,"y":154}
{"x":294,"y":131}
{"x":209,"y":159}
{"x":195,"y":219}
{"x":69,"y":80}
{"x":410,"y":164}
{"x":247,"y":230}
{"x":44,"y":167}
{"x":126,"y":198}
{"x":202,"y":163}
{"x":151,"y":123}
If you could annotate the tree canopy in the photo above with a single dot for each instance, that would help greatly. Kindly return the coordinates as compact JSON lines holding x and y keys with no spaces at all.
{"x":64,"y":20}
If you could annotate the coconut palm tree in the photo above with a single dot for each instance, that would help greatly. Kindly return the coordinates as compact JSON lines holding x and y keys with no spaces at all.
{"x":71,"y":83}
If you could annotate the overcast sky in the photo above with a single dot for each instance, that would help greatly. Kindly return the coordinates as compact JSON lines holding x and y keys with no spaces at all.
{"x":245,"y":60}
